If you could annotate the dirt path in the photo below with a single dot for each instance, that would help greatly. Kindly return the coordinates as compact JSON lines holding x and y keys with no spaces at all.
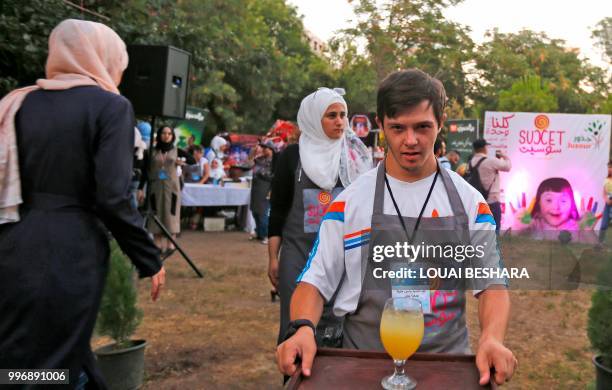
{"x":220,"y":331}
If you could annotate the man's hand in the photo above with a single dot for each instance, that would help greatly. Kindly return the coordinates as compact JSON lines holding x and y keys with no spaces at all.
{"x":273,"y":272}
{"x":301,"y":344}
{"x":492,"y":353}
{"x":157,"y":281}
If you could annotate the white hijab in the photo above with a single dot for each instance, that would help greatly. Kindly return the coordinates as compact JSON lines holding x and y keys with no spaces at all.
{"x":216,"y":143}
{"x":324,"y":159}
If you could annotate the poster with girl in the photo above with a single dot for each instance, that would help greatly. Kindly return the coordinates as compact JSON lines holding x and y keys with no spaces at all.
{"x":559,"y":162}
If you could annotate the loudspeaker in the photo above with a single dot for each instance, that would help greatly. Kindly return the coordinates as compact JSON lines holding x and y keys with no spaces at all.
{"x":156,"y":80}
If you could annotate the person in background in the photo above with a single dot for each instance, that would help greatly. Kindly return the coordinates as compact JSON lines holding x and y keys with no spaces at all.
{"x":489,"y":169}
{"x":263,"y":158}
{"x":219,"y":147}
{"x":202,"y":163}
{"x":453,"y":157}
{"x":197,"y":173}
{"x":607,"y":212}
{"x":328,"y":157}
{"x":190,"y":144}
{"x":165,"y":195}
{"x":217,"y":173}
{"x":67,"y":145}
{"x":440,"y":153}
{"x":138,"y":165}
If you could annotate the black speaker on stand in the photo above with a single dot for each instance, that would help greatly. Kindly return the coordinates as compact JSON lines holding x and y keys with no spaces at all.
{"x":156,"y":82}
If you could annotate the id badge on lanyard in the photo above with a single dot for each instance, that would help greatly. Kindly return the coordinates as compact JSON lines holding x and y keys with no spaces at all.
{"x":415,"y":288}
{"x":163,"y":174}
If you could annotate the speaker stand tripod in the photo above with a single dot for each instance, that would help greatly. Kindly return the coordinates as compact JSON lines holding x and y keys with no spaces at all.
{"x":150,"y":214}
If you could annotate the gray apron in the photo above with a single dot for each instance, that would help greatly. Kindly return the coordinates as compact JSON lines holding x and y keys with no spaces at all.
{"x":165,"y":193}
{"x":299,"y":234}
{"x":445,"y":327}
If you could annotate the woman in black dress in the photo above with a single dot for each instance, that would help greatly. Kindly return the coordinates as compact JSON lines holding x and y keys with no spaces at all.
{"x":74,"y":137}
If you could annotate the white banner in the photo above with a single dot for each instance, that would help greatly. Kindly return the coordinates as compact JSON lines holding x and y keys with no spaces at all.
{"x":559,"y":164}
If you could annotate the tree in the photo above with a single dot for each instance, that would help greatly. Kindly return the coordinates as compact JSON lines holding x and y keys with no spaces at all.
{"x":404,"y":34}
{"x":603,"y":36}
{"x":250,"y":62}
{"x":528,"y":95}
{"x":506,"y":58}
{"x":26,"y":26}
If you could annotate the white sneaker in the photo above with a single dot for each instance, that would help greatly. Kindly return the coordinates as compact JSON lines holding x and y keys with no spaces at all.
{"x":264,"y":241}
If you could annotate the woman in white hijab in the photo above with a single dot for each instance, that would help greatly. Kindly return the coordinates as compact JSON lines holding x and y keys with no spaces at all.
{"x":308,"y":177}
{"x":218,"y":148}
{"x":329,"y":149}
{"x":217,"y":173}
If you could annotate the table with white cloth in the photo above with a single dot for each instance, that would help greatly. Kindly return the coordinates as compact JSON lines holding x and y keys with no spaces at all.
{"x":207,"y":195}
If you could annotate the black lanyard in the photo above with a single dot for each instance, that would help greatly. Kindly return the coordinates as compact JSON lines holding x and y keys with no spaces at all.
{"x":399,"y":215}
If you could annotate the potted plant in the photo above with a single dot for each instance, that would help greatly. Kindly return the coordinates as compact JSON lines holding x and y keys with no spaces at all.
{"x":600,"y":329}
{"x":122,"y":362}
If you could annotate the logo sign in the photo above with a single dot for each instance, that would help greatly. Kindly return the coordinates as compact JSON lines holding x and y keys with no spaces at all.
{"x":324,"y":197}
{"x":541,"y":122}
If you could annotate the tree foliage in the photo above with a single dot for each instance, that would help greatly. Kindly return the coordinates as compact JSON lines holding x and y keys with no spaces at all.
{"x":603,"y":36}
{"x":119,"y":316}
{"x":505,"y":58}
{"x":250,"y":62}
{"x":528,"y":95}
{"x":400,"y":34}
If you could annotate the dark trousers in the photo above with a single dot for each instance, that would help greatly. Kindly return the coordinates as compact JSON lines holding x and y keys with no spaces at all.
{"x":261,"y":222}
{"x":496,"y":211}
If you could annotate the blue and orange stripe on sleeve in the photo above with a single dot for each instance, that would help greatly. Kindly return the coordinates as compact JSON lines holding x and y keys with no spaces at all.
{"x":335,"y":212}
{"x":357,"y":239}
{"x":484,"y":214}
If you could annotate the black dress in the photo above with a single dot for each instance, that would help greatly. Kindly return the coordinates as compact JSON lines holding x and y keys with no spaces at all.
{"x":75,"y":158}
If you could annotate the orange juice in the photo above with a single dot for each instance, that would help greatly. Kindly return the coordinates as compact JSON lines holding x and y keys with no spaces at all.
{"x":401,"y":333}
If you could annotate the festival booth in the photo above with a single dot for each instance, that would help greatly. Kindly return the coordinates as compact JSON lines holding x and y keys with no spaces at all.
{"x":559,"y":163}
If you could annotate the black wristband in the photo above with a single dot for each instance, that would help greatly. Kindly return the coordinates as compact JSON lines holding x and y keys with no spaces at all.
{"x":297,"y":324}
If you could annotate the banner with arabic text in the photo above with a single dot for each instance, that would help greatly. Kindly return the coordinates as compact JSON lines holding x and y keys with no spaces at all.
{"x":559,"y":164}
{"x":461,"y":134}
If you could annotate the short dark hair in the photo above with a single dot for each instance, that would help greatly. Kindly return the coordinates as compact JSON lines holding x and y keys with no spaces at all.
{"x":196,"y":148}
{"x":438,"y":144}
{"x":405,"y":89}
{"x":479,"y":144}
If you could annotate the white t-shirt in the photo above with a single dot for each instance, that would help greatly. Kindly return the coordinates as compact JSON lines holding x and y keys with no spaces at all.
{"x":337,"y":248}
{"x":203,"y":161}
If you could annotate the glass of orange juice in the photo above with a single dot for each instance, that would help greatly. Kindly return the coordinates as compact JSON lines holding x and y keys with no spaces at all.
{"x":401,"y":332}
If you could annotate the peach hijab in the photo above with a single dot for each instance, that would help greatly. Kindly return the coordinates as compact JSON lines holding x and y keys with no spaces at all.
{"x":80,"y":53}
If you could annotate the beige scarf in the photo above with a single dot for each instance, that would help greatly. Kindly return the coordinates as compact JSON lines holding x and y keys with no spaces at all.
{"x":80,"y":53}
